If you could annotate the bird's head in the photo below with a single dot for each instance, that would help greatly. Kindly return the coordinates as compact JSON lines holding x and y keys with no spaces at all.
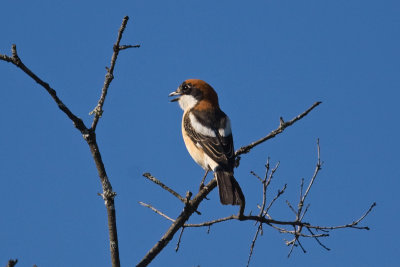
{"x":195,"y":92}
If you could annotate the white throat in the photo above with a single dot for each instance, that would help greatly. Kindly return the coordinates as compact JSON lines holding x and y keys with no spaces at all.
{"x":187,"y":102}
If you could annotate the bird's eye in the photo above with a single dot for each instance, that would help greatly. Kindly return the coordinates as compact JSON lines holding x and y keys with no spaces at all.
{"x":185,"y":88}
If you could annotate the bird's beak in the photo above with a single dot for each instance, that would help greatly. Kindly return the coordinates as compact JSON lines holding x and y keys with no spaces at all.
{"x":175,"y":93}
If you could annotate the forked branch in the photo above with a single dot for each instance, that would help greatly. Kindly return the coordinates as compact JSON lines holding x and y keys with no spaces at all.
{"x":191,"y":206}
{"x":294,"y":227}
{"x":88,"y":133}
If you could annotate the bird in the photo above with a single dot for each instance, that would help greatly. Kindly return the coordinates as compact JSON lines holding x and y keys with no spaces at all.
{"x":207,"y":134}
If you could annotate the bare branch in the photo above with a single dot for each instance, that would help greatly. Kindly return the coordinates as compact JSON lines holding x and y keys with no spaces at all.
{"x":253,"y":244}
{"x":179,"y":239}
{"x":156,"y":211}
{"x":280,"y":129}
{"x":280,"y":192}
{"x":15,"y":59}
{"x":263,"y":218}
{"x":301,"y":188}
{"x":302,"y":248}
{"x":317,"y":239}
{"x":266,"y":182}
{"x":317,"y":169}
{"x":209,"y":223}
{"x":203,"y":179}
{"x":292,"y":244}
{"x":257,"y":218}
{"x":256,"y":175}
{"x":305,"y":211}
{"x":98,"y":110}
{"x":88,"y":134}
{"x":158,"y":182}
{"x":190,"y":207}
{"x":291,"y":207}
{"x":123,"y":47}
{"x":349,"y":225}
{"x":294,"y":232}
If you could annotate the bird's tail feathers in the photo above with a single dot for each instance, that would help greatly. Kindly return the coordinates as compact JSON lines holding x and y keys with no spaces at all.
{"x":230,"y":192}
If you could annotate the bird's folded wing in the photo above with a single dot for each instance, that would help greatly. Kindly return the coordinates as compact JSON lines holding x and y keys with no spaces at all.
{"x":218,"y":148}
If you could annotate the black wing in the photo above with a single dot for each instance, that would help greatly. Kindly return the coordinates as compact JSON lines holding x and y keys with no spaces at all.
{"x":219,"y":148}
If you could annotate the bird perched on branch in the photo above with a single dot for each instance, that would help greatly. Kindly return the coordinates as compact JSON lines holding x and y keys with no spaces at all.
{"x":207,"y":134}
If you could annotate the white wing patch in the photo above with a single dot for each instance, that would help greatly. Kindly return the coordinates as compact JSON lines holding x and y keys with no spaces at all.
{"x":200,"y":128}
{"x":227,"y":130}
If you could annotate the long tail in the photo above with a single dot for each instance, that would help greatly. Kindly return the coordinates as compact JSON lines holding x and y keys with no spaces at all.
{"x":230,"y":192}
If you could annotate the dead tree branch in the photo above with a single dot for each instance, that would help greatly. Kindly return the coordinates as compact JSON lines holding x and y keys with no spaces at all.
{"x":295,"y":227}
{"x":158,"y":182}
{"x":98,"y":110}
{"x":156,"y":211}
{"x":88,"y":133}
{"x":282,"y":126}
{"x":123,"y":47}
{"x":189,"y":208}
{"x":192,"y":205}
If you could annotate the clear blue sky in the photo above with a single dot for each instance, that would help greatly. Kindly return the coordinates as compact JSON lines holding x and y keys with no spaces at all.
{"x":266,"y":59}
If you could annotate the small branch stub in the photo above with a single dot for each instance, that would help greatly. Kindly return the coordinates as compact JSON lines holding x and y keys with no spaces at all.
{"x":12,"y":263}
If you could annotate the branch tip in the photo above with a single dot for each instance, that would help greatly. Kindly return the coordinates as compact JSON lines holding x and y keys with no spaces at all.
{"x":12,"y":263}
{"x":280,"y":129}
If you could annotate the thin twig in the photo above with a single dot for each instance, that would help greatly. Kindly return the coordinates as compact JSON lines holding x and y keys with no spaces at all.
{"x":158,"y":182}
{"x":317,"y":169}
{"x":291,"y":207}
{"x":280,"y":129}
{"x":298,"y":241}
{"x":255,"y":175}
{"x":349,"y":225}
{"x":209,"y":223}
{"x":292,"y":245}
{"x":305,"y":211}
{"x":123,"y":47}
{"x":156,"y":211}
{"x":98,"y":110}
{"x":253,"y":244}
{"x":15,"y":59}
{"x":266,"y":183}
{"x":294,"y":232}
{"x":179,"y":239}
{"x":297,"y":234}
{"x":301,"y":188}
{"x":280,"y":192}
{"x":317,"y":239}
{"x":203,"y":179}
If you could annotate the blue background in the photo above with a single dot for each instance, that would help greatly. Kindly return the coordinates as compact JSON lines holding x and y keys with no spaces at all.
{"x":266,"y":59}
